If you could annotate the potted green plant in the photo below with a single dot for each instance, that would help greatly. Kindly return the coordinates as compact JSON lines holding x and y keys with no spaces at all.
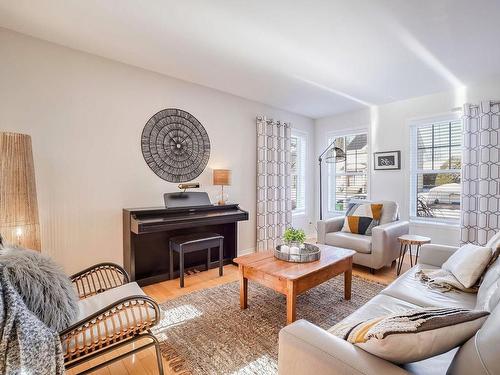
{"x":294,"y":238}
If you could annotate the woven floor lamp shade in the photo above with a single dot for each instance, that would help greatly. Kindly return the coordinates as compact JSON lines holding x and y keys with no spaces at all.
{"x":19,"y":224}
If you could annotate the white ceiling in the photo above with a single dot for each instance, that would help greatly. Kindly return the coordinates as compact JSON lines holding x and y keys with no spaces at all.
{"x":313,"y":57}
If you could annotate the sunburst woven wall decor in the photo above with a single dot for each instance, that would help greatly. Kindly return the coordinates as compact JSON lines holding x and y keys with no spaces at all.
{"x":175,"y":145}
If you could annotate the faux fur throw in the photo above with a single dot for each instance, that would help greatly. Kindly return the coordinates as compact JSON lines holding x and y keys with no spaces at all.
{"x":43,"y":286}
{"x":27,"y":346}
{"x":442,"y":280}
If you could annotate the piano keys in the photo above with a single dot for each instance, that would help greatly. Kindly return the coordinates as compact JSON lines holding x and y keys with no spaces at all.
{"x":146,"y":234}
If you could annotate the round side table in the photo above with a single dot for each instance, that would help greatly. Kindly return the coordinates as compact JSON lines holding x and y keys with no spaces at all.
{"x":406,"y":243}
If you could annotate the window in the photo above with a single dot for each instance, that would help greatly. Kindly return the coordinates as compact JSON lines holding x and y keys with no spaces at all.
{"x":436,"y":163}
{"x":347,"y":176}
{"x":298,"y":171}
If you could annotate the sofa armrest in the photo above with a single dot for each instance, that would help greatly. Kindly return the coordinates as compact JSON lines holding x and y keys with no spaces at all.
{"x":435,"y":255}
{"x":331,"y":225}
{"x":304,"y":348}
{"x":385,"y":244}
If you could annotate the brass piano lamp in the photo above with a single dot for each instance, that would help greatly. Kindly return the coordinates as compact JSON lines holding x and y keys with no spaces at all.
{"x":222,"y":177}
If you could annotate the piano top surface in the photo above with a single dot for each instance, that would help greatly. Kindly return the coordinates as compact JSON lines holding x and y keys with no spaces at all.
{"x":182,"y":210}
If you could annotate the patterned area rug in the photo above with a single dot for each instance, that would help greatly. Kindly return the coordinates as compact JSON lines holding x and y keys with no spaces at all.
{"x":205,"y":332}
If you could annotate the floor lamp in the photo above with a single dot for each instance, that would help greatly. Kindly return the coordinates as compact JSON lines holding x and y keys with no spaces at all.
{"x":334,"y":154}
{"x":19,"y":224}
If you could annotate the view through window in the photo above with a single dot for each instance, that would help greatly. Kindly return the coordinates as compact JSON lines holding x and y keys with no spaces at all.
{"x":348,"y":176}
{"x":436,"y":160}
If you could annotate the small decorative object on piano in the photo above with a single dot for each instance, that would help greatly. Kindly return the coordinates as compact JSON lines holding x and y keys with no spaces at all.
{"x":294,"y":249}
{"x":189,"y":185}
{"x":222,"y":177}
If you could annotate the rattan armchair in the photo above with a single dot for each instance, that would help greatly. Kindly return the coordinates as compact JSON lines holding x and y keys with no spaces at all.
{"x":123,"y":322}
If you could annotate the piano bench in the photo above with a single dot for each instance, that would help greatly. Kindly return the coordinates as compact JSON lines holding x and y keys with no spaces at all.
{"x":195,"y":242}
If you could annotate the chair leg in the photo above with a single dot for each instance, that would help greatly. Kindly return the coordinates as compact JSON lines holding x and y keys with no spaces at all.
{"x":181,"y":266}
{"x":221,"y":257}
{"x":159,"y":360}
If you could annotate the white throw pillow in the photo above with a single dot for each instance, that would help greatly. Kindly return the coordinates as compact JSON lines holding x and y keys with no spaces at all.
{"x":494,"y":242}
{"x":468,"y":263}
{"x":414,"y":335}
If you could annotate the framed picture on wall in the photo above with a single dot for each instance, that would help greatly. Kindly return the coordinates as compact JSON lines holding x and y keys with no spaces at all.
{"x":387,"y":160}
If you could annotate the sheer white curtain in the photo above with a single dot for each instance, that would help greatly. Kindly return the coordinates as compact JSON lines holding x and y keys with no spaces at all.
{"x":274,"y":198}
{"x":480,"y":172}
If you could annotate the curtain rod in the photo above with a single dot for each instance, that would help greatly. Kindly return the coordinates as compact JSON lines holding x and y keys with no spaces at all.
{"x":458,"y":109}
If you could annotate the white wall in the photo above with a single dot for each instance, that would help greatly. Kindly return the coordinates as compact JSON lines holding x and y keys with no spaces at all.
{"x":389,"y":130}
{"x":86,"y":114}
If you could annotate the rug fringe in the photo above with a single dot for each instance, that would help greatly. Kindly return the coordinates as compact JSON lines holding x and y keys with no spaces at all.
{"x":175,"y":361}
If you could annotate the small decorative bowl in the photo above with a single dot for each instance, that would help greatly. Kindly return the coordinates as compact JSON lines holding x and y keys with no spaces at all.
{"x":307,"y":253}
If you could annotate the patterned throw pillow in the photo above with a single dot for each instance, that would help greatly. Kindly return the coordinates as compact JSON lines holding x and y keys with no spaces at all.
{"x":413,"y":335}
{"x":360,"y":218}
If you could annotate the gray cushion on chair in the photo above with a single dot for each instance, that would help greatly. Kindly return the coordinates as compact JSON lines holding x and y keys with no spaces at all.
{"x":43,"y":286}
{"x":354,"y":241}
{"x":390,"y":211}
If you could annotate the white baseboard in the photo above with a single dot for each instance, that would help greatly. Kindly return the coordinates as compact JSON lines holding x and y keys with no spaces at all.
{"x":250,"y":250}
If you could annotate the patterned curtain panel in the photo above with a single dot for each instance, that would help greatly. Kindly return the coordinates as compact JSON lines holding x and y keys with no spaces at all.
{"x":480,"y":173}
{"x":274,"y":197}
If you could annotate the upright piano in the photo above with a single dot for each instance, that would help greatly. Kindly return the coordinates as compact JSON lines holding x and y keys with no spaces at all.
{"x":147,"y":231}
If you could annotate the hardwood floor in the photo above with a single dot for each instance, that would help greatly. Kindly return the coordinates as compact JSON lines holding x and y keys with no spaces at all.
{"x":144,"y":362}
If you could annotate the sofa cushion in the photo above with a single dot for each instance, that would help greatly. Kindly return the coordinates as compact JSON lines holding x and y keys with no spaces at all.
{"x":436,"y":365}
{"x":479,"y":355}
{"x":491,"y":277}
{"x":390,"y":212}
{"x":468,"y":263}
{"x":353,"y":241}
{"x":90,"y":305}
{"x":379,"y":305}
{"x":129,"y":319}
{"x":409,"y":288}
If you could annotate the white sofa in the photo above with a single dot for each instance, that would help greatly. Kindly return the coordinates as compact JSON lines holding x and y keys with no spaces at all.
{"x":304,"y":348}
{"x":375,"y":251}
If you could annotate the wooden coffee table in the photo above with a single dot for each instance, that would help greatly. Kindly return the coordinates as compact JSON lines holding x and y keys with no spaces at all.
{"x":292,"y":279}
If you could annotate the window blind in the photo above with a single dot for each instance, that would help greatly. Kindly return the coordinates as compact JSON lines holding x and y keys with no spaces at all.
{"x":348,"y":178}
{"x":435,"y":170}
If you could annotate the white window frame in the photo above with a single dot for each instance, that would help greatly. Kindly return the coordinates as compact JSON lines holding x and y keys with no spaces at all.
{"x":330,"y":137}
{"x":414,"y":171}
{"x":302,"y":174}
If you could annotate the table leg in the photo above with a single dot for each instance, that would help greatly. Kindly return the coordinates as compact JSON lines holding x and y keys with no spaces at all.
{"x":401,"y":258}
{"x":243,"y":290}
{"x":411,"y":256}
{"x":347,"y":284}
{"x":291,"y":302}
{"x":418,"y":250}
{"x":209,"y":257}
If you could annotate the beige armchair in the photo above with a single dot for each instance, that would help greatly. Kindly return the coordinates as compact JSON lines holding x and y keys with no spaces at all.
{"x":113,"y":313}
{"x":375,"y":251}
